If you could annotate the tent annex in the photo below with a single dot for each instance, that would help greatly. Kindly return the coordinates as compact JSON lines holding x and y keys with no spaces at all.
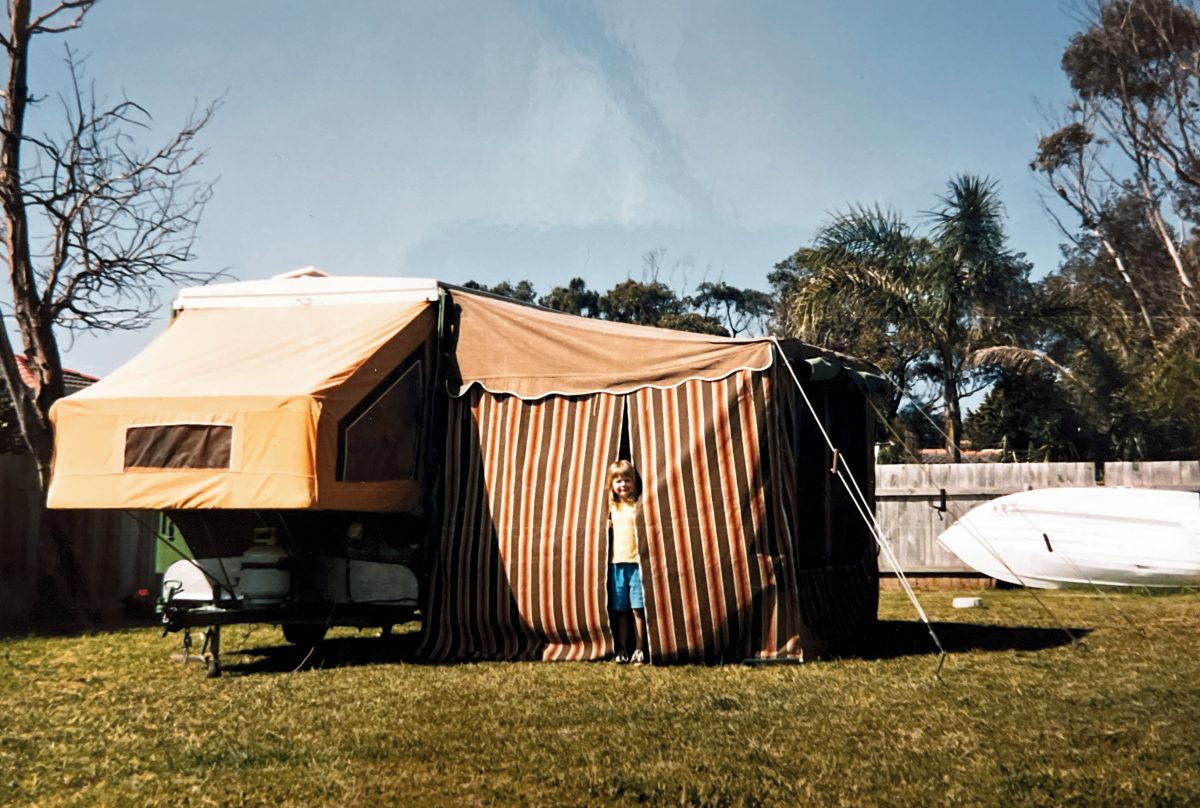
{"x":748,"y":547}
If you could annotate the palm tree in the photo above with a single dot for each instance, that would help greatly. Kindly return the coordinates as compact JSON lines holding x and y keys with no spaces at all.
{"x":921,"y":306}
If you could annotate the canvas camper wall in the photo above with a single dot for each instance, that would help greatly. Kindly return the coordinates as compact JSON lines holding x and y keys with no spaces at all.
{"x":282,"y":425}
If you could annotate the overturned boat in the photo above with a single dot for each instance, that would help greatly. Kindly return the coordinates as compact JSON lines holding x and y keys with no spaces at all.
{"x":1057,"y":537}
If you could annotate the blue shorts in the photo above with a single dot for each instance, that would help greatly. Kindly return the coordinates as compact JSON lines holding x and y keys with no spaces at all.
{"x":625,"y":588}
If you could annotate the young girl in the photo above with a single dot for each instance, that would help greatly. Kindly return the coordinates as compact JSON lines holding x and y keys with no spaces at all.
{"x":625,"y":578}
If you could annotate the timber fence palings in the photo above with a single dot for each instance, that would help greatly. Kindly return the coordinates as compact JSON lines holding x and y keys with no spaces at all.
{"x":75,"y":579}
{"x":20,"y":503}
{"x":916,"y":502}
{"x":1177,"y":474}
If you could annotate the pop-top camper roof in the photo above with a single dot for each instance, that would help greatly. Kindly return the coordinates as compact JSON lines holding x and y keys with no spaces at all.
{"x":298,"y":391}
{"x":256,"y":403}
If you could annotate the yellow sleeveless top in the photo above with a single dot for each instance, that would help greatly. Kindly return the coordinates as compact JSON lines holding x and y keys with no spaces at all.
{"x":623,"y":516}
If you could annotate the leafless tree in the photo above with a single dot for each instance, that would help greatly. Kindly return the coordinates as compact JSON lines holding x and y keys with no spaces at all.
{"x":93,"y":224}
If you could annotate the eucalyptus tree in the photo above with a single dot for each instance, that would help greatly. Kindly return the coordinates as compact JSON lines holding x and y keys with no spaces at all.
{"x":574,"y":298}
{"x":1032,"y":417}
{"x":922,"y":305}
{"x":1137,"y":397}
{"x":1131,"y":135}
{"x":1122,"y":315}
{"x":740,"y":311}
{"x":522,"y":291}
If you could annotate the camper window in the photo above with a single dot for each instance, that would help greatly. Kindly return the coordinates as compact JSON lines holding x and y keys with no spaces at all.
{"x":178,"y":446}
{"x":379,"y":440}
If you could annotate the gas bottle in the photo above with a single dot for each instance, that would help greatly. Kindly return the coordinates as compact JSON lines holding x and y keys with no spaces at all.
{"x":265,"y":578}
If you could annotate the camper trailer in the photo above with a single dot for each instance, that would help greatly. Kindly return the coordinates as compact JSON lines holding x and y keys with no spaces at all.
{"x":360,"y":451}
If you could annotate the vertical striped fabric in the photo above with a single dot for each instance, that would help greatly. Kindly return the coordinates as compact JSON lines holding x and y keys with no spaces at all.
{"x":728,"y":571}
{"x":717,"y":563}
{"x":523,"y":560}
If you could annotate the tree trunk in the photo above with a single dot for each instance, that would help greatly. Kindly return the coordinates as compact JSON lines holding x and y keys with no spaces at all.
{"x":953,"y":415}
{"x":35,"y":324}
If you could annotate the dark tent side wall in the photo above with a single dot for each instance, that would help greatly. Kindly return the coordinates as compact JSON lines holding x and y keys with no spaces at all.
{"x":750,"y":548}
{"x":837,"y":556}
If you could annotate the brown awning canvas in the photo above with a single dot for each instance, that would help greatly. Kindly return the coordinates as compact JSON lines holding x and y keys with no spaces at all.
{"x":532,"y":352}
{"x":239,"y":408}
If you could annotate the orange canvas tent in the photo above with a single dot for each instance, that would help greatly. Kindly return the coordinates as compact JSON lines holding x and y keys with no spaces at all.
{"x":253,"y":408}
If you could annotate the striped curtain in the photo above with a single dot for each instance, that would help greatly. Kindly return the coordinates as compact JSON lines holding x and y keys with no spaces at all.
{"x":523,"y":558}
{"x":717,"y":559}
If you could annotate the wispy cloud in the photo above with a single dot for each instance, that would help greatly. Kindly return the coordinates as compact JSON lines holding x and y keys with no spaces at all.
{"x":583,"y":35}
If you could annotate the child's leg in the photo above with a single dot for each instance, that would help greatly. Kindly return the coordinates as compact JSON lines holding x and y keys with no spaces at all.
{"x":637,"y":602}
{"x":624,"y":642}
{"x":639,"y":622}
{"x":618,"y":609}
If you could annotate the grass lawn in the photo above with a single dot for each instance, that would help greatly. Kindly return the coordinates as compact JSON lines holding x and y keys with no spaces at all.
{"x":1019,"y":716}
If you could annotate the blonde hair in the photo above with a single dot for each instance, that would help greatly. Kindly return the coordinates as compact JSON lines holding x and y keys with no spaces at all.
{"x":623,"y":468}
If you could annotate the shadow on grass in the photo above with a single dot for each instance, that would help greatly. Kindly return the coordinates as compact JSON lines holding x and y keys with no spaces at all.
{"x":891,"y":639}
{"x":339,"y":652}
{"x":898,"y":638}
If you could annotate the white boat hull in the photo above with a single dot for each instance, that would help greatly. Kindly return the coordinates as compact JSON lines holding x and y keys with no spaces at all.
{"x":1056,"y":537}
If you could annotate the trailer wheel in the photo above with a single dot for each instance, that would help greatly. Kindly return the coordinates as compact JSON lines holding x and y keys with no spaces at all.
{"x":304,"y":633}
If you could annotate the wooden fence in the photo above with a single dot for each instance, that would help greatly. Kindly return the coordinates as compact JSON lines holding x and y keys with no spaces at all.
{"x":66,"y":569}
{"x":915,"y":503}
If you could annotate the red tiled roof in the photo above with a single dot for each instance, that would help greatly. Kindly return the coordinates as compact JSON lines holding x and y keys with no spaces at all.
{"x":968,"y":455}
{"x":73,"y":380}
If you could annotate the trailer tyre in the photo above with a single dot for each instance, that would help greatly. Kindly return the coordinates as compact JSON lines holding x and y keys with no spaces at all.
{"x":304,"y":633}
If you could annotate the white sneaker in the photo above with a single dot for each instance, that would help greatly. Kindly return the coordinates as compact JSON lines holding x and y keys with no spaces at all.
{"x":638,"y":658}
{"x":622,"y":659}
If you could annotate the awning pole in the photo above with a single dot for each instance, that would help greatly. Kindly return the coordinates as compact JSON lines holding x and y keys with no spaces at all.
{"x":434,"y":419}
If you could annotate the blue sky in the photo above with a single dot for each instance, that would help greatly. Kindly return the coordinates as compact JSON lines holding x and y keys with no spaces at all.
{"x":547,"y":140}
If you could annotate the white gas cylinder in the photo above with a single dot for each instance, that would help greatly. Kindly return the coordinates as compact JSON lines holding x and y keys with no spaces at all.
{"x":265,"y":578}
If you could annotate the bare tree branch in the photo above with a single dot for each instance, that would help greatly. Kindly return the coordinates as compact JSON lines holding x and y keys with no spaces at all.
{"x":80,"y":9}
{"x":112,"y":222}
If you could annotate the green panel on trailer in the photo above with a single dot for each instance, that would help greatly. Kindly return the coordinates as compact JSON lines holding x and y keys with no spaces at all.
{"x":170,"y":546}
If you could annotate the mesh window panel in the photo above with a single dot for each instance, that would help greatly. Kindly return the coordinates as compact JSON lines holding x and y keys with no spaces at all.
{"x":178,"y":446}
{"x":382,"y":442}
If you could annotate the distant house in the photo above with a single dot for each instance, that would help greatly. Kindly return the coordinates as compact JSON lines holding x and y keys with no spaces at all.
{"x":968,"y":455}
{"x":11,"y":441}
